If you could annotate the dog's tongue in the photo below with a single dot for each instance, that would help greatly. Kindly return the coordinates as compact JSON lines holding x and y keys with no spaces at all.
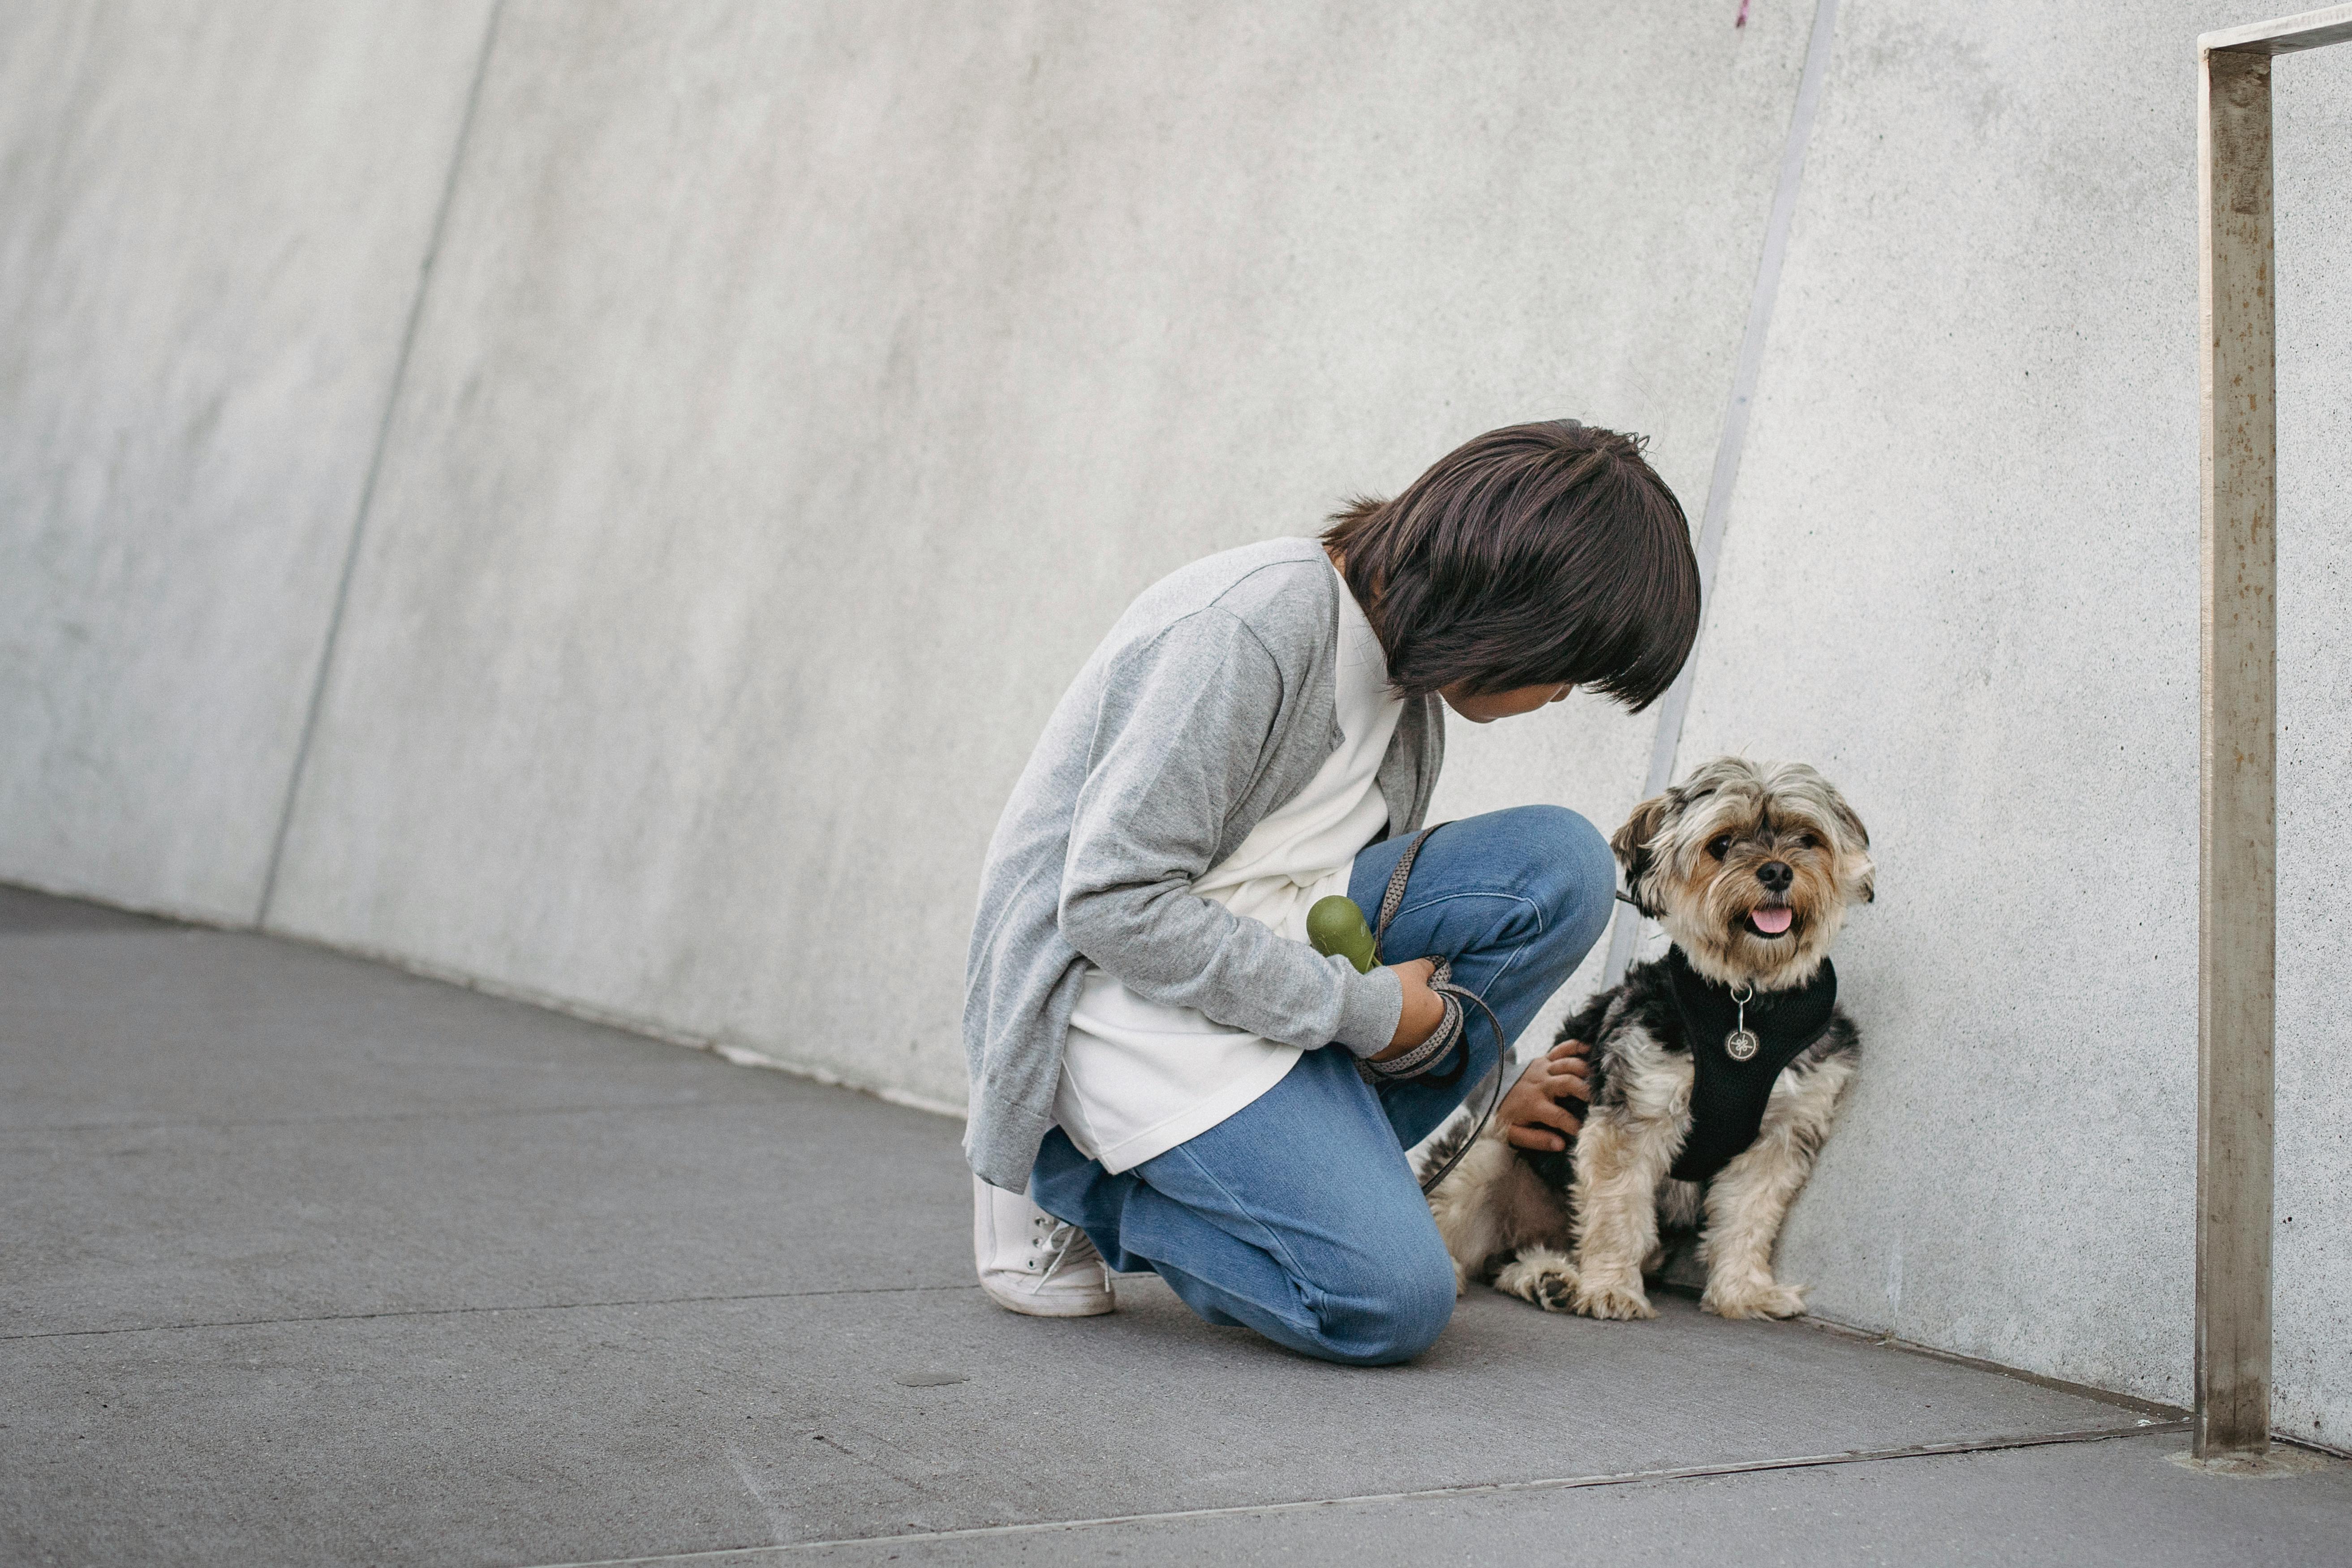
{"x":1771,"y":921}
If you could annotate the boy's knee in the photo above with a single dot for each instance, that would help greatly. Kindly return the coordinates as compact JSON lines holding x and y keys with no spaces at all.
{"x":1420,"y":1304}
{"x":1577,"y":873}
{"x":1403,"y":1315}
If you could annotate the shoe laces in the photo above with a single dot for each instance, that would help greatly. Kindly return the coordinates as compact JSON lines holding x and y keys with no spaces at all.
{"x":1061,"y":1236}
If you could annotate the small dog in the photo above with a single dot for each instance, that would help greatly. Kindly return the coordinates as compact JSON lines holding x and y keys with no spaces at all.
{"x":1715,"y":1070}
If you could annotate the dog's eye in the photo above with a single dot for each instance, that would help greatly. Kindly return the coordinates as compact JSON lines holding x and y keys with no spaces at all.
{"x":1719,"y":846}
{"x":1807,"y":841}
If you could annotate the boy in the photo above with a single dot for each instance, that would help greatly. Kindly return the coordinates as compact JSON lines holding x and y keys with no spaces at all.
{"x":1158,"y":1059}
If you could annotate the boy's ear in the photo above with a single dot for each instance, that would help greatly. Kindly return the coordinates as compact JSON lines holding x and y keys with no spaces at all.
{"x":1631,"y":844}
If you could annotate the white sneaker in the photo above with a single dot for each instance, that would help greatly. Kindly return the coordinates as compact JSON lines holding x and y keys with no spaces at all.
{"x":1031,"y":1262}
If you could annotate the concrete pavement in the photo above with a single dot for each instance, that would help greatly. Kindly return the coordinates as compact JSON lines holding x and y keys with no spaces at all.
{"x":308,"y":1260}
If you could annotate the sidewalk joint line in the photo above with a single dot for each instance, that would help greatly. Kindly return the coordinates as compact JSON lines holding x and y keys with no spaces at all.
{"x":462,"y":1311}
{"x":451,"y":1113}
{"x":1484,"y":1489}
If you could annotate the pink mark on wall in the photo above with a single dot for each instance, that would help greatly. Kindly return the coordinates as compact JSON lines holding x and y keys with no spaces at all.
{"x":1741,"y":20}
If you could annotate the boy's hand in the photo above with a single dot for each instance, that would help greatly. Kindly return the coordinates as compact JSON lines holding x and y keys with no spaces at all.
{"x":1424,"y":1009}
{"x":1531,"y":1115}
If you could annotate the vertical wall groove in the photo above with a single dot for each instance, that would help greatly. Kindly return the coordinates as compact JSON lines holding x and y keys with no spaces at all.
{"x":1733,"y":440}
{"x":375,"y":467}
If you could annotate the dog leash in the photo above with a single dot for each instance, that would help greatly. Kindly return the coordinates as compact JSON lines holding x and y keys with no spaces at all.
{"x":1441,"y":980}
{"x":1456,"y":1024}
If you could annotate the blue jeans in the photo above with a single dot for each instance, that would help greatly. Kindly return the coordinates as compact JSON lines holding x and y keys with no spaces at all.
{"x":1298,"y":1216}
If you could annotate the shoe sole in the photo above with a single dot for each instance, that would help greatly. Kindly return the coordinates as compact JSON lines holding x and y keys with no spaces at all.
{"x":1087,"y":1306}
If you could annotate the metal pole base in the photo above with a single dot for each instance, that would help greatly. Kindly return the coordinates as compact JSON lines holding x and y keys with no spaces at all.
{"x":2268,"y":1466}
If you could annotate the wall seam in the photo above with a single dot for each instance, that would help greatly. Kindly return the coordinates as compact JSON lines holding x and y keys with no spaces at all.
{"x":375,"y":468}
{"x":1731,"y":442}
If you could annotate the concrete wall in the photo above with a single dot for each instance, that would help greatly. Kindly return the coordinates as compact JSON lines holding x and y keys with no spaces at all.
{"x":1962,"y":574}
{"x":211,"y":222}
{"x":799,"y":391}
{"x":816,"y":386}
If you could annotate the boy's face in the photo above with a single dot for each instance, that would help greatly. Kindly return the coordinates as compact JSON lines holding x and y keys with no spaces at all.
{"x":1493,"y":705}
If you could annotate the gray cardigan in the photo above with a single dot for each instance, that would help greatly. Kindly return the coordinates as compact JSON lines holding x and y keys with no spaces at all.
{"x":1211,"y":703}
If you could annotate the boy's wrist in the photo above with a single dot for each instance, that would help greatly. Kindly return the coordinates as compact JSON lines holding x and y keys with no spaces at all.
{"x":1370,"y":1008}
{"x":1424,"y":1010}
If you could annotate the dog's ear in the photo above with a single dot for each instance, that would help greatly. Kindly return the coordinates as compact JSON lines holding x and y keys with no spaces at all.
{"x":1855,"y":850}
{"x":1632,"y":845}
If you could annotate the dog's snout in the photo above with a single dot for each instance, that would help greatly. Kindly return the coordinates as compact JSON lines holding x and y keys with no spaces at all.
{"x":1775,"y":875}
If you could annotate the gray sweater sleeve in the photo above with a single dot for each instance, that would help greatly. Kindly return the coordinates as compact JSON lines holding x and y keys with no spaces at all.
{"x":1177,"y":741}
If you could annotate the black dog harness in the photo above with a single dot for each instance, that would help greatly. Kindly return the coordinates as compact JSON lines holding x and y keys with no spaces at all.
{"x":1738,"y":1044}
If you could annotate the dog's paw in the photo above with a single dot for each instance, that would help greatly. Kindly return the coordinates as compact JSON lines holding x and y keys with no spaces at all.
{"x":1549,"y":1281}
{"x":1753,"y":1298}
{"x":1617,"y":1299}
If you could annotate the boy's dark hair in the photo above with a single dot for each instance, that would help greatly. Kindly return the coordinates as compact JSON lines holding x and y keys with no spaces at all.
{"x":1532,"y":556}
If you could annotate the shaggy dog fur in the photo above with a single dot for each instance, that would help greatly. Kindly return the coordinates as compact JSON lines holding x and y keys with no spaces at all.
{"x":1577,"y":1231}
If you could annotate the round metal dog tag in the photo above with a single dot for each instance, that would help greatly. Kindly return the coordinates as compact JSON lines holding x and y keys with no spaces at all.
{"x":1742,"y":1043}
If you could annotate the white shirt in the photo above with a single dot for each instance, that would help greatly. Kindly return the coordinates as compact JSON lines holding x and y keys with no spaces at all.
{"x":1140,"y":1077}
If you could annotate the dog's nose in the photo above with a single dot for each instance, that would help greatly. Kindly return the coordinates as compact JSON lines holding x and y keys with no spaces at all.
{"x":1776,"y":875}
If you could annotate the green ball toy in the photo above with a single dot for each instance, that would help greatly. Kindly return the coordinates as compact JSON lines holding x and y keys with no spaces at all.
{"x":1336,"y":925}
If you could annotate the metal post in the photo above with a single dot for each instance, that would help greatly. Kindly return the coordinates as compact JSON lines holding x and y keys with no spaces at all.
{"x":2235,"y":920}
{"x":2236,"y":915}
